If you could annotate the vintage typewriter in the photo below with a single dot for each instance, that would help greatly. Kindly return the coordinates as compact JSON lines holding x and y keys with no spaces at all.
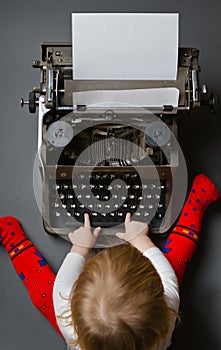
{"x":108,"y":161}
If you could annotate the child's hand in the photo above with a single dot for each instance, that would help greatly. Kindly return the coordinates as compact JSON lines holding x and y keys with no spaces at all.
{"x":136,"y":233}
{"x":133,"y":229}
{"x":83,"y":239}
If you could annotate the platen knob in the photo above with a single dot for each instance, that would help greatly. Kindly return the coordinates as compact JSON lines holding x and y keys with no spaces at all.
{"x":32,"y":102}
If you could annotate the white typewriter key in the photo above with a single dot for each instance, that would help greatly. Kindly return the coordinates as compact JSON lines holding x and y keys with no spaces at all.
{"x":137,"y":213}
{"x":79,"y":196}
{"x":56,"y":205}
{"x":61,"y":196}
{"x":88,"y":196}
{"x":120,"y":214}
{"x":74,"y":186}
{"x":68,"y":214}
{"x":65,"y":187}
{"x":70,"y":196}
{"x":100,"y":186}
{"x":157,"y":196}
{"x":103,"y":214}
{"x":90,"y":206}
{"x":107,"y":206}
{"x":133,"y":206}
{"x":112,"y":214}
{"x":140,"y":198}
{"x":114,"y":196}
{"x":83,"y":187}
{"x":149,"y":196}
{"x":136,"y":187}
{"x":144,"y":187}
{"x":82,"y":206}
{"x":106,"y":197}
{"x":73,"y":206}
{"x":131,"y":196}
{"x":57,"y":214}
{"x":77,"y":214}
{"x":150,"y":206}
{"x":116,"y":205}
{"x":123,"y":198}
{"x":64,"y":206}
{"x":57,"y":187}
{"x":141,"y":206}
{"x":152,"y":186}
{"x":146,"y":214}
{"x":160,"y":205}
{"x":125,"y":205}
{"x":110,"y":187}
{"x":99,"y":205}
{"x":94,"y":213}
{"x":127,"y":187}
{"x":118,"y":186}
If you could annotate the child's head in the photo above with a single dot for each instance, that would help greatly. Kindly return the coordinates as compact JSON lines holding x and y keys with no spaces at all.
{"x":118,"y":302}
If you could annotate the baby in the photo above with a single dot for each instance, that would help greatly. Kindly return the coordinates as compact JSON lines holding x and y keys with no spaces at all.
{"x":125,"y":297}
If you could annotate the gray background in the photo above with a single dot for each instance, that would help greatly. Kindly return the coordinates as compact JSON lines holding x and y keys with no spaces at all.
{"x":24,"y":25}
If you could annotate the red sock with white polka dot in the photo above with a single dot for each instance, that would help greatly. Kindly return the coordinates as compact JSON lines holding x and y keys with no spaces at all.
{"x":30,"y":265}
{"x":181,"y":243}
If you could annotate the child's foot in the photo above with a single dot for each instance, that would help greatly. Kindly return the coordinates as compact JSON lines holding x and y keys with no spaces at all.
{"x":10,"y":232}
{"x":204,"y":188}
{"x":203,"y":193}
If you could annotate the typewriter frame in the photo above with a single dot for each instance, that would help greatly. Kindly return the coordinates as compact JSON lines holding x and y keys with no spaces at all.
{"x":55,"y":95}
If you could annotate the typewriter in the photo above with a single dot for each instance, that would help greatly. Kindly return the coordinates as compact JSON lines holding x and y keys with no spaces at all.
{"x":108,"y":161}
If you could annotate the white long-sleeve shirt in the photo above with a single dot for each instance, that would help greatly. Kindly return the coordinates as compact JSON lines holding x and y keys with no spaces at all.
{"x":70,"y":270}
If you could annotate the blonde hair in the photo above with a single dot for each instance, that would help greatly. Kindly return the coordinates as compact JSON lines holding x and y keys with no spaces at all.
{"x":118,"y":302}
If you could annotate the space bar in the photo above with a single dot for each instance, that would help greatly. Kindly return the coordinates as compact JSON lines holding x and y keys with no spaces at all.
{"x":105,"y":224}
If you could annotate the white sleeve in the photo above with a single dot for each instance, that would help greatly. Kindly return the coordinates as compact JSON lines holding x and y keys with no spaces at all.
{"x":170,"y":285}
{"x":66,"y":276}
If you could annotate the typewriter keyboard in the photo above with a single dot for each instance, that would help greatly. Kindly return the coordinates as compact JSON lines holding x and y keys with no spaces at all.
{"x":106,"y":199}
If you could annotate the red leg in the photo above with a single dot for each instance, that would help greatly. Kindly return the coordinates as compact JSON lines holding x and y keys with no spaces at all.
{"x":30,"y":265}
{"x":182,"y":241}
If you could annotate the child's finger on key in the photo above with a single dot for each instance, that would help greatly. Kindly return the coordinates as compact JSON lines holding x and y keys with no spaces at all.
{"x":87,"y":222}
{"x":127,"y":218}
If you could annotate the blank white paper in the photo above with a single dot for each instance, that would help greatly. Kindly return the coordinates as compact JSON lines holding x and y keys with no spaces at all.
{"x":122,"y":98}
{"x":125,"y":45}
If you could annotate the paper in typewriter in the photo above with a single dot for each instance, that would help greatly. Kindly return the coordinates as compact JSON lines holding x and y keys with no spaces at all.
{"x":151,"y":98}
{"x":125,"y":46}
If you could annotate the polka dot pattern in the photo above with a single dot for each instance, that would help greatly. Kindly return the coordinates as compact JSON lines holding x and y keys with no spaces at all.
{"x":30,"y":265}
{"x":182,"y":241}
